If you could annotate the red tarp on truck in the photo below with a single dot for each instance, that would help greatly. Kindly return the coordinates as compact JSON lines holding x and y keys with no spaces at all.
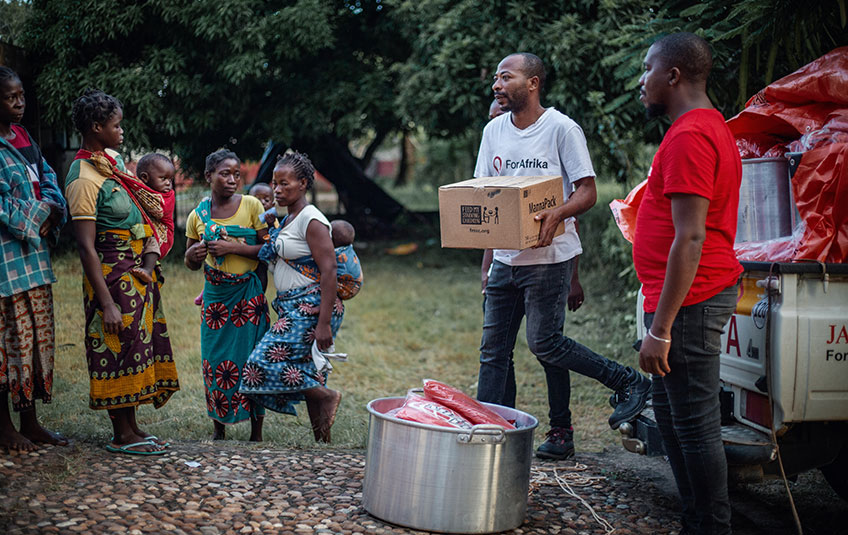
{"x":806,"y":111}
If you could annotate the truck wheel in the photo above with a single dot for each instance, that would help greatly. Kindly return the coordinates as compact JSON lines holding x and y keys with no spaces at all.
{"x":836,"y":473}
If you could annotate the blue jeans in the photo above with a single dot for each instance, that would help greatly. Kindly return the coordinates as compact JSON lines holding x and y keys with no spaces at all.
{"x":538,"y":292}
{"x":688,"y":412}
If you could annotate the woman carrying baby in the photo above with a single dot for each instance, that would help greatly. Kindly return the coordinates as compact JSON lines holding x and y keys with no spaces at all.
{"x":224,"y":235}
{"x":280,"y":372}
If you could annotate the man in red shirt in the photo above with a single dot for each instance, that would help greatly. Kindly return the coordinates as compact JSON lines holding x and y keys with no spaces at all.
{"x":683,"y":253}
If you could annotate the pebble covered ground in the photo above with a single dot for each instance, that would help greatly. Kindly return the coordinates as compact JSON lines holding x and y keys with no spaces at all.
{"x":217,"y":488}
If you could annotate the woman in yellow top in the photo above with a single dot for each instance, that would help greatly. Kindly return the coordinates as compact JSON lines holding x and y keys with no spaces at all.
{"x":126,"y":337}
{"x":224,"y":235}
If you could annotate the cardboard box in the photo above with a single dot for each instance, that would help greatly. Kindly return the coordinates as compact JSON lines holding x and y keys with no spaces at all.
{"x":497,"y":212}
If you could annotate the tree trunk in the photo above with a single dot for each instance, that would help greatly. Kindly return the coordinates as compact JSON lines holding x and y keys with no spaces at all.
{"x":403,"y":166}
{"x":372,"y":148}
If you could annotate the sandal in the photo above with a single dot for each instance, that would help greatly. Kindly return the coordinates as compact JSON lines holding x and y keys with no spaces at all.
{"x":155,"y":440}
{"x":125,"y":448}
{"x":151,"y":438}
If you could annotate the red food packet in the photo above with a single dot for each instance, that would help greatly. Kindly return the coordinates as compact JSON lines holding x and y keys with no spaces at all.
{"x":426,"y":411}
{"x":471,"y":409}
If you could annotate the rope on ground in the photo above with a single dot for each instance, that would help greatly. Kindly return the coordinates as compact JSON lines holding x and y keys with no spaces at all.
{"x":572,"y":478}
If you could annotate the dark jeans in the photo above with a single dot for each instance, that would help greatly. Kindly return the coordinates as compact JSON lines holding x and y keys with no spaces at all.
{"x":538,"y":292}
{"x":686,"y":405}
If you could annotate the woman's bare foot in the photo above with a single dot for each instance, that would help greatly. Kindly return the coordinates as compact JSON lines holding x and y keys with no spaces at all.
{"x":149,"y":437}
{"x":14,"y":441}
{"x":133,"y":423}
{"x":220,"y":431}
{"x":44,"y":436}
{"x":142,"y":275}
{"x":152,"y":438}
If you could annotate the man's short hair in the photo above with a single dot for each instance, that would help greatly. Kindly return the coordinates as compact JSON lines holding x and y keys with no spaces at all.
{"x":688,"y":52}
{"x":533,"y":66}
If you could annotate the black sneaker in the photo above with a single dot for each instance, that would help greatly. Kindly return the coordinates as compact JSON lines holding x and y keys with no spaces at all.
{"x":630,"y":400}
{"x":558,"y":445}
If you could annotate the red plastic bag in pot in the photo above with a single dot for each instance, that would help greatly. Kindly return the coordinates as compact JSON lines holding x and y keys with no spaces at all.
{"x":755,"y":146}
{"x":471,"y":409}
{"x":782,"y":249}
{"x":426,"y":411}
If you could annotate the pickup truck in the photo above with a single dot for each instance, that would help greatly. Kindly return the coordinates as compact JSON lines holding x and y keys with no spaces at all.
{"x":784,"y":376}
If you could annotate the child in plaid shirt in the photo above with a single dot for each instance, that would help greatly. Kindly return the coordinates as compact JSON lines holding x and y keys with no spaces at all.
{"x":32,"y":211}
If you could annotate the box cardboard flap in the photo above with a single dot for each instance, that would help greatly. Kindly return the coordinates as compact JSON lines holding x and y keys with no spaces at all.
{"x":500,"y":182}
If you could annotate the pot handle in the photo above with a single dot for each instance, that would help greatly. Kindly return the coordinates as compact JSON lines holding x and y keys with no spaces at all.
{"x":483,"y":434}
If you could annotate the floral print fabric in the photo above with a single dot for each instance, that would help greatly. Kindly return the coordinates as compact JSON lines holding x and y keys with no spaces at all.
{"x":280,"y":368}
{"x":26,"y":346}
{"x":235,"y":316}
{"x":136,"y":365}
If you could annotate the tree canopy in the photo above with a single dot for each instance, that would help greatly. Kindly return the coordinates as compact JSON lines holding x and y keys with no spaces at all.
{"x":593,"y":51}
{"x":195,"y":76}
{"x":198,"y":75}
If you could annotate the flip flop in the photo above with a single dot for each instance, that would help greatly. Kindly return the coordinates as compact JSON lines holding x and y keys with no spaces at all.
{"x":126,"y":448}
{"x":155,"y":440}
{"x":152,"y":438}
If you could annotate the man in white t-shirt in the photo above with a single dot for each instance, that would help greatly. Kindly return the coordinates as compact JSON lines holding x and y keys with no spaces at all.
{"x":531,"y":140}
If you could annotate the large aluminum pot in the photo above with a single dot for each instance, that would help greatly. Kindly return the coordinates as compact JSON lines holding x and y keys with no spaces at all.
{"x":766,"y":206}
{"x":448,"y":480}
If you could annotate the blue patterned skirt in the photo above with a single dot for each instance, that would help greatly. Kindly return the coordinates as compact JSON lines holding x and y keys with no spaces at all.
{"x":280,"y":367}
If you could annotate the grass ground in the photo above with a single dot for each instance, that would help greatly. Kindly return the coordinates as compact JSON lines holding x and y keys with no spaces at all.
{"x":417,"y":317}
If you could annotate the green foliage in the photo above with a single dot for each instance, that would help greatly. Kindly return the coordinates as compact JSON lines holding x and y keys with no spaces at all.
{"x":198,"y":75}
{"x":754,"y":41}
{"x":593,"y":52}
{"x":194,"y":76}
{"x":457,"y":45}
{"x":13,"y":19}
{"x":448,"y":160}
{"x":605,"y":251}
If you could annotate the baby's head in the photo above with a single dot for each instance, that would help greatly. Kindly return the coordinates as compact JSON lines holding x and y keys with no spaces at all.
{"x":262,"y":191}
{"x":343,"y":233}
{"x":157,"y":171}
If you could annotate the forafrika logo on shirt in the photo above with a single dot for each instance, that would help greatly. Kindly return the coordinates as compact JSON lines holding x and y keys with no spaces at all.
{"x":526,"y":163}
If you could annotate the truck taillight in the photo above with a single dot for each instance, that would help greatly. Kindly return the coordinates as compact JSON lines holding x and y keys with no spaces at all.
{"x":755,"y":408}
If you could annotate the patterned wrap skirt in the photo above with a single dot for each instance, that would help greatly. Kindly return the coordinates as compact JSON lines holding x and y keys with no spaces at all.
{"x":280,"y":368}
{"x":235,"y":316}
{"x":136,"y":365}
{"x":27,"y":346}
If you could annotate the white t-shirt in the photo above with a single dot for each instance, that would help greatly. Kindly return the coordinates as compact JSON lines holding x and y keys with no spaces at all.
{"x":553,"y":145}
{"x":291,"y":243}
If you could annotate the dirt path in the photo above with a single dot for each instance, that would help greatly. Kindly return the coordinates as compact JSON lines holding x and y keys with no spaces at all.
{"x":228,"y":487}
